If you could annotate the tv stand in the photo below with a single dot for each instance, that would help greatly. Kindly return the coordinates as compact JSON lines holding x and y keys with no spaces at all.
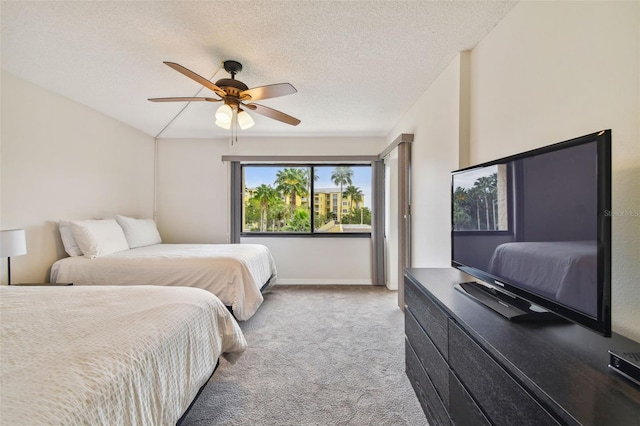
{"x":510,"y":307}
{"x":469,"y":366}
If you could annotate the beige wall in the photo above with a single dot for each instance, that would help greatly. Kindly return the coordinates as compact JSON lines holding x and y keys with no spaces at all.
{"x":549,"y":71}
{"x":62,"y":160}
{"x":434,"y":121}
{"x":192,"y":191}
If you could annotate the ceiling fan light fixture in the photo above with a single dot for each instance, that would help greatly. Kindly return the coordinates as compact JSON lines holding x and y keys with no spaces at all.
{"x":234,"y":93}
{"x":224,"y":114}
{"x":224,"y":124}
{"x":245,"y":121}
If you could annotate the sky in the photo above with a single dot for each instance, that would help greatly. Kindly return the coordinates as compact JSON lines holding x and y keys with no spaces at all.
{"x":256,"y":176}
{"x":468,"y":178}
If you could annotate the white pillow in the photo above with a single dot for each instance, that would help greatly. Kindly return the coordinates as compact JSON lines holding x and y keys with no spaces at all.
{"x":99,"y":237}
{"x":69,"y":242}
{"x":139,"y":232}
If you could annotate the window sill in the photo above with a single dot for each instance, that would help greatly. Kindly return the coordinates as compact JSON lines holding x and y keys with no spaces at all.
{"x":305,"y":235}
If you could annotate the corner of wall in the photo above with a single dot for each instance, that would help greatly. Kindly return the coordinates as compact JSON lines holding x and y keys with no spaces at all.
{"x":464,"y":124}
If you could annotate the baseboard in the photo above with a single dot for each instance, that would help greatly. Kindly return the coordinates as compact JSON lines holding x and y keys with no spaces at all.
{"x":293,"y":281}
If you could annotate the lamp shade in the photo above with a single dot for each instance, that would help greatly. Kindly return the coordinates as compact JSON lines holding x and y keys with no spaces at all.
{"x":224,"y":114}
{"x":223,"y":124}
{"x":244,"y":120}
{"x":13,"y":242}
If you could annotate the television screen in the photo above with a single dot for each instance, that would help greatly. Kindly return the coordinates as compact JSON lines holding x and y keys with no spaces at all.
{"x":537,"y":225}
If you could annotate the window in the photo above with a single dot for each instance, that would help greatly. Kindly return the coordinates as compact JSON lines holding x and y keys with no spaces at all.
{"x":277,"y":199}
{"x":480,"y":200}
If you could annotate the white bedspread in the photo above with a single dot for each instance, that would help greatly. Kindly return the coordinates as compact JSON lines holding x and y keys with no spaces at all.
{"x":108,"y":355}
{"x":233,"y":272}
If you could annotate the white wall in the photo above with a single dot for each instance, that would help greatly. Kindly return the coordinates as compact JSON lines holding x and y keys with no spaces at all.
{"x":308,"y":146}
{"x":62,"y":160}
{"x":345,"y":261}
{"x":192,"y":191}
{"x":193,"y":205}
{"x":434,"y":121}
{"x":549,"y":71}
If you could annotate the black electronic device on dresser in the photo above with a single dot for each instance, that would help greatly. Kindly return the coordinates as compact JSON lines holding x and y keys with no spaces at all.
{"x":535,"y":229}
{"x":469,"y":366}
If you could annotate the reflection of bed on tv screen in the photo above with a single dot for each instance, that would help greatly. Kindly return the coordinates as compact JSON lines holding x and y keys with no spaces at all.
{"x":561,"y":270}
{"x":536,"y":222}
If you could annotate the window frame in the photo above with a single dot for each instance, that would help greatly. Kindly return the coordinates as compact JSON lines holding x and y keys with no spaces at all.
{"x":311,"y":201}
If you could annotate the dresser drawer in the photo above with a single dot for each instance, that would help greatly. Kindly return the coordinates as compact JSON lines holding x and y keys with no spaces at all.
{"x":431,"y":404}
{"x":432,"y":319}
{"x":431,"y":360}
{"x":503,"y":400}
{"x":464,"y":410}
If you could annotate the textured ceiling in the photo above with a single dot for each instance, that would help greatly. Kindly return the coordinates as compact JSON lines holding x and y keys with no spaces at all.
{"x":357,"y":65}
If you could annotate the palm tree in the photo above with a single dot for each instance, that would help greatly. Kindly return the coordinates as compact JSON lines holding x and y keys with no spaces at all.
{"x":265,"y":195}
{"x":276,"y":214}
{"x":355,"y":195}
{"x":292,"y":182}
{"x":475,"y":196}
{"x":307,"y":174}
{"x":484,"y":186}
{"x":341,"y":175}
{"x":493,"y":193}
{"x":299,"y":222}
{"x":251,"y":214}
{"x":461,"y":209}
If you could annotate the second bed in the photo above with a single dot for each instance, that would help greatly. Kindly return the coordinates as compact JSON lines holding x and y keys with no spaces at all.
{"x":236,"y":273}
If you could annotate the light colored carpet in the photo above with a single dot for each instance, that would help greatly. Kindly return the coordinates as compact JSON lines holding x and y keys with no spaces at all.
{"x":321,"y":355}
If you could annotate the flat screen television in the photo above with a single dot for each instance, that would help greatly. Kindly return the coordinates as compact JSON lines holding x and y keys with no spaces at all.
{"x":535,"y":228}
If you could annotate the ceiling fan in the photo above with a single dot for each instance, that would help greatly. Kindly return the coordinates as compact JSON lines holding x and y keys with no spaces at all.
{"x":237,"y":97}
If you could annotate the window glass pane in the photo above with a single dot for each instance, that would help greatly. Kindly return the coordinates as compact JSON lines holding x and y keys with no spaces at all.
{"x":280,"y":199}
{"x":276,"y":199}
{"x":343,"y":195}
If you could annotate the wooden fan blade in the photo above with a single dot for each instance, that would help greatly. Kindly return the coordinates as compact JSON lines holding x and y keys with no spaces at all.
{"x":272,"y":113}
{"x":192,"y":75}
{"x":266,"y":92}
{"x":184,"y":99}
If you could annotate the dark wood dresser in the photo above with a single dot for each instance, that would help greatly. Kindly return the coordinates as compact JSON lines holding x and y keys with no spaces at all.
{"x":471,"y":366}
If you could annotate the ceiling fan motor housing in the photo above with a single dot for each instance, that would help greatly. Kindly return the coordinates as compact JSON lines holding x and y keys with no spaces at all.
{"x":231,"y":86}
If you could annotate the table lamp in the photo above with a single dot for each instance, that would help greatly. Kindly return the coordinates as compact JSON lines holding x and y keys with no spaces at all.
{"x":12,"y":243}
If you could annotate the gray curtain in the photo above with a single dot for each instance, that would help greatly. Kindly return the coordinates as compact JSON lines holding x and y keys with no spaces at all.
{"x":236,"y":203}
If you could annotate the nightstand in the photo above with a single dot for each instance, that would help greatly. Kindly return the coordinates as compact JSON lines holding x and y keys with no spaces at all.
{"x":43,"y":284}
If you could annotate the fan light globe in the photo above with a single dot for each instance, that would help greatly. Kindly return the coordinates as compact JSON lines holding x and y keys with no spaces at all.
{"x":244,"y":120}
{"x":224,"y":114}
{"x":225,"y":125}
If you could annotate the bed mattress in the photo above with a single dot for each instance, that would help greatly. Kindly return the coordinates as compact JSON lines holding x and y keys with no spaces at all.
{"x":108,"y":355}
{"x":233,"y":272}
